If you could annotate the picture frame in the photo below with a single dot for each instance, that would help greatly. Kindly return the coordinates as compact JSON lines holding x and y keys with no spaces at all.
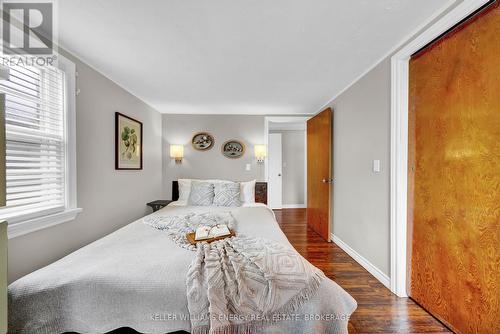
{"x":202,"y":141}
{"x":128,"y":143}
{"x":233,"y":149}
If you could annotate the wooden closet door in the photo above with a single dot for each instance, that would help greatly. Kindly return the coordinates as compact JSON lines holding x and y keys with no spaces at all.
{"x":454,"y":176}
{"x":319,"y":173}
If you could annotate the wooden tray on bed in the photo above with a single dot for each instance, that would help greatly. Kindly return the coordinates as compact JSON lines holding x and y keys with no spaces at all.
{"x":190,"y":238}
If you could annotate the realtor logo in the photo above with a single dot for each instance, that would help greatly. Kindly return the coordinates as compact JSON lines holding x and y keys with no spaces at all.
{"x":28,"y":28}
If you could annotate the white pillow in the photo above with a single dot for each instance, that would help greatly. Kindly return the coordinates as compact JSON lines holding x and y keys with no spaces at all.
{"x":214,"y":181}
{"x":247,"y":192}
{"x":202,"y":193}
{"x":184,"y":189}
{"x":247,"y":189}
{"x":227,"y":194}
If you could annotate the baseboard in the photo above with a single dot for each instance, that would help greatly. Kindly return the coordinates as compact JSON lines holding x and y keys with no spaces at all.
{"x":377,"y":273}
{"x":294,"y":206}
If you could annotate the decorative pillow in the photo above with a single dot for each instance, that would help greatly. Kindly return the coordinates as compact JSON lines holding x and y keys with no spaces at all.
{"x":184,"y":189}
{"x":247,"y":192}
{"x":227,"y":194}
{"x":202,"y":193}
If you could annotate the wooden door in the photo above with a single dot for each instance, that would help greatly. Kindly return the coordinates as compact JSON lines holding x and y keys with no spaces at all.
{"x":454,"y":177}
{"x":275,"y":161}
{"x":319,"y":173}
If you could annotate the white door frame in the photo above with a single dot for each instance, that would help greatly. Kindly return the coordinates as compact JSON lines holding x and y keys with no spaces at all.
{"x":399,"y":137}
{"x":286,"y":119}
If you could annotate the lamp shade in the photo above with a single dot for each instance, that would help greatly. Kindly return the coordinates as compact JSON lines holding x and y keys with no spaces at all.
{"x":176,"y":151}
{"x":260,"y":151}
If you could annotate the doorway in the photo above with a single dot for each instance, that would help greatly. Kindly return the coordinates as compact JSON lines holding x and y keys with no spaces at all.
{"x":286,"y":163}
{"x":319,"y":173}
{"x":452,"y":176}
{"x":463,"y":138}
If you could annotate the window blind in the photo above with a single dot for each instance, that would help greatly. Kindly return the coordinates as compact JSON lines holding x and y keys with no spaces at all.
{"x":35,"y":142}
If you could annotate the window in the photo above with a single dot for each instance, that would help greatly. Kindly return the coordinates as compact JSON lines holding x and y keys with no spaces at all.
{"x":39,"y":114}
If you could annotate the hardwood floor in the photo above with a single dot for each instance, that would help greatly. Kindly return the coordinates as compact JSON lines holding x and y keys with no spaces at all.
{"x":379,"y":311}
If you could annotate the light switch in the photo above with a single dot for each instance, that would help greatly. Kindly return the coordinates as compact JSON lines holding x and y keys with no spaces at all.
{"x":248,"y":167}
{"x":376,"y":166}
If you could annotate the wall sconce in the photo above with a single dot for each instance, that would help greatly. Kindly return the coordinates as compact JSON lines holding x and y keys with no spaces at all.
{"x":260,"y":153}
{"x":177,"y":153}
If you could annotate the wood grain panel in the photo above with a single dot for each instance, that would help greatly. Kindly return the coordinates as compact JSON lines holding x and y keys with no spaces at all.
{"x":319,"y":168}
{"x":454,"y":177}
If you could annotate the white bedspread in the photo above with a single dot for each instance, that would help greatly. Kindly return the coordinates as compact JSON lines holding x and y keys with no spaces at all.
{"x":136,"y":277}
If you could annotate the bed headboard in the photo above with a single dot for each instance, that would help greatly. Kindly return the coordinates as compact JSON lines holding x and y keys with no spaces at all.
{"x":260,"y":192}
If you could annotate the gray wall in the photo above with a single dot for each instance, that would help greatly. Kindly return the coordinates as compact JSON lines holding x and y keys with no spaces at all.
{"x":110,"y":199}
{"x":361,"y":197}
{"x":293,"y":144}
{"x":179,"y":129}
{"x":361,"y":134}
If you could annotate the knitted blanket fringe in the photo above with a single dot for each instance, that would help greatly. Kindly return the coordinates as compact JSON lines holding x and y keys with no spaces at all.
{"x":256,"y":326}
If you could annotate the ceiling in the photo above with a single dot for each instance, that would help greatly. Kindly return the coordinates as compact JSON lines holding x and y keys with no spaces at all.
{"x":234,"y":56}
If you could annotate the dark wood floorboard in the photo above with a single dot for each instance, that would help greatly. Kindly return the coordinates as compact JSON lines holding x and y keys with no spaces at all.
{"x":379,"y":311}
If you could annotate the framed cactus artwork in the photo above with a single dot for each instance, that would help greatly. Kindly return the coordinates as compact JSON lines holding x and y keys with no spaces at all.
{"x":128,"y":143}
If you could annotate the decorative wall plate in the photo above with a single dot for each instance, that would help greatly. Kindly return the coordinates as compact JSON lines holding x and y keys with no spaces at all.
{"x":202,"y":141}
{"x":233,"y":149}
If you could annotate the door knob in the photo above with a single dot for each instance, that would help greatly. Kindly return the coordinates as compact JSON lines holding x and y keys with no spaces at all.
{"x":327,"y":180}
{"x":279,"y":174}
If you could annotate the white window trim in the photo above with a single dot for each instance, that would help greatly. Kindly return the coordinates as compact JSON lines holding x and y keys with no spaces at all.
{"x":39,"y":223}
{"x":71,"y":210}
{"x":399,"y":138}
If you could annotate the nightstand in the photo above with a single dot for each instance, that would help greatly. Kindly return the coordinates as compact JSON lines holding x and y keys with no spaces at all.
{"x":158,"y":204}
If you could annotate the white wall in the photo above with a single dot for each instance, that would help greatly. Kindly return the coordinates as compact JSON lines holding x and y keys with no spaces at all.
{"x":361,"y":130}
{"x":293,"y":151}
{"x":179,"y":129}
{"x":110,"y":199}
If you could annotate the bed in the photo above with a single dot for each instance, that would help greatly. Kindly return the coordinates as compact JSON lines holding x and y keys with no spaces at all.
{"x":136,"y":277}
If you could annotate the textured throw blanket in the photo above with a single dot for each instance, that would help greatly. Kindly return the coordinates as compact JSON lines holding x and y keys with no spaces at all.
{"x":176,"y":227}
{"x":239,"y":284}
